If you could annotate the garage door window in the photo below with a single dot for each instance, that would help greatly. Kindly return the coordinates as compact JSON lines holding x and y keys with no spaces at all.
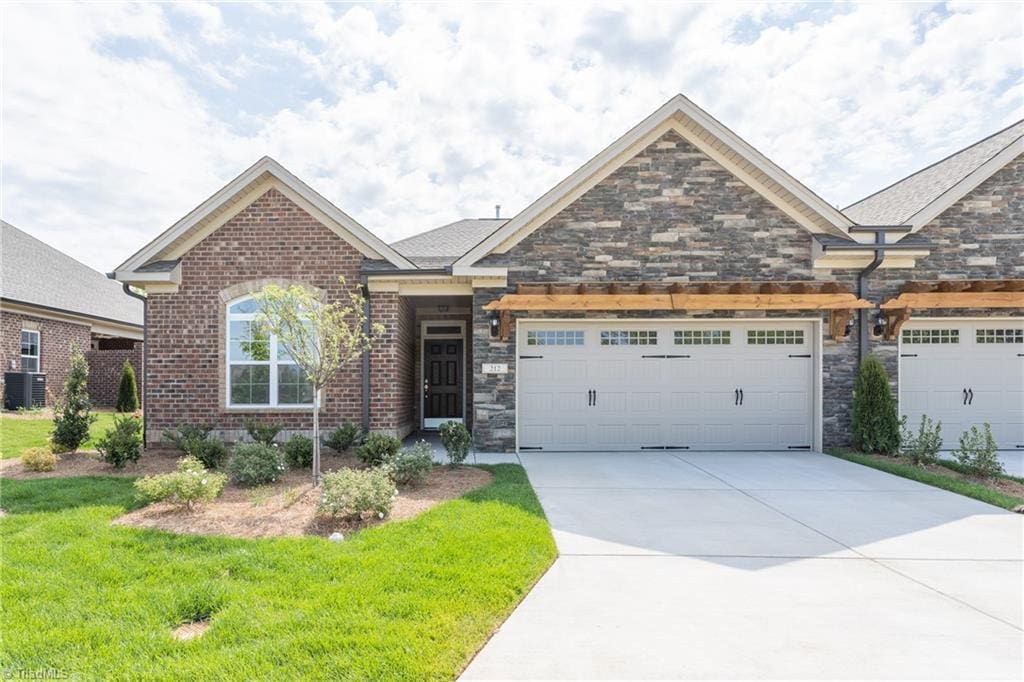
{"x":931,"y":336}
{"x":703,"y":337}
{"x":775,"y":337}
{"x":629,"y":337}
{"x":559,"y":337}
{"x":1000,"y":336}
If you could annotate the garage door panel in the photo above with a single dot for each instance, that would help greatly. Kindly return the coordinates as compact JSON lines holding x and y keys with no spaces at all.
{"x":682,"y":403}
{"x":568,"y":370}
{"x":645,"y":402}
{"x":608,"y":369}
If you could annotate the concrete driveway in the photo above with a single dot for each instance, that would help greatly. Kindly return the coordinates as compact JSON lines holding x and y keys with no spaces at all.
{"x":762,"y":565}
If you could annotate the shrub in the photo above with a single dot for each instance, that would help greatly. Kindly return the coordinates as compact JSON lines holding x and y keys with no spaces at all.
{"x":924,"y":446}
{"x":344,"y":437}
{"x":378,"y":448}
{"x":354,"y":493}
{"x":127,"y":390}
{"x":187,"y":486}
{"x":39,"y":459}
{"x":298,"y":452}
{"x":876,"y":426}
{"x":196,"y":441}
{"x":71,"y":420}
{"x":411,"y":465}
{"x":262,"y":433}
{"x":977,"y":453}
{"x":255,"y":464}
{"x":121,"y":444}
{"x":456,"y":440}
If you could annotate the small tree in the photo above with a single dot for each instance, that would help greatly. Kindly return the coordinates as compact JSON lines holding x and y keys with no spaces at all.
{"x":71,"y":418}
{"x":876,"y":426}
{"x":320,"y":337}
{"x":127,"y":390}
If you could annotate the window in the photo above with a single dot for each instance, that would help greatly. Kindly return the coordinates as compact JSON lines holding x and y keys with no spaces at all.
{"x":559,"y":337}
{"x":703,"y":337}
{"x":260,"y":371}
{"x":775,"y":337}
{"x":1000,"y":336}
{"x":629,"y":337}
{"x":931,"y":336}
{"x":29,"y":350}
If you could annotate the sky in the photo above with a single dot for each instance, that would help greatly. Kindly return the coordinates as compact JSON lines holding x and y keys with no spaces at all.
{"x":118,"y":119}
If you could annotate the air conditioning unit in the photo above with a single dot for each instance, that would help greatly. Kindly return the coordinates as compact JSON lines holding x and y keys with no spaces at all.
{"x":24,"y":389}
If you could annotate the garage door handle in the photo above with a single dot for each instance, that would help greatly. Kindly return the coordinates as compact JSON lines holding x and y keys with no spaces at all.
{"x":736,"y":397}
{"x":970,"y":400}
{"x":741,"y":396}
{"x":965,"y":397}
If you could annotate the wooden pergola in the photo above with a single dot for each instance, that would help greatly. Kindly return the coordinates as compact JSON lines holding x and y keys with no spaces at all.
{"x":960,"y":294}
{"x":681,"y":297}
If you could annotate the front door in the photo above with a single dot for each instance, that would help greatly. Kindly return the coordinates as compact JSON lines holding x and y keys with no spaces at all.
{"x":442,"y":381}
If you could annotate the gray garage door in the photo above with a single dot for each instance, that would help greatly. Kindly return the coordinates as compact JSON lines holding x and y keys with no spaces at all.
{"x":591,"y":385}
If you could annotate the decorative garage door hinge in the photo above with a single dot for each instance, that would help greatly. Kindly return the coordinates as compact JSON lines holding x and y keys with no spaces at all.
{"x":664,"y":447}
{"x":530,"y":357}
{"x":800,"y":355}
{"x":527,"y":447}
{"x":667,"y":357}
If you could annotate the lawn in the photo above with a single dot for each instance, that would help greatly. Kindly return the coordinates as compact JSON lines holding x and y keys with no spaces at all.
{"x":20,"y":432}
{"x":407,"y":600}
{"x":946,"y":475}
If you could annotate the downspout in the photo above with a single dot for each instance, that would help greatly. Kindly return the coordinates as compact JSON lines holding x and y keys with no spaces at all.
{"x":145,"y":355}
{"x":863,"y":338}
{"x":366,"y":355}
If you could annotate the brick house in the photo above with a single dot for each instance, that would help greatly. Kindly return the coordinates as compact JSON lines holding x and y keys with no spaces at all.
{"x":52,"y":305}
{"x":678,"y":291}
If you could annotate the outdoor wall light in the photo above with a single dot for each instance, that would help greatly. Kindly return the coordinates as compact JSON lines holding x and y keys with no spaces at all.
{"x":879,"y":327}
{"x":849,"y":327}
{"x":494,"y":321}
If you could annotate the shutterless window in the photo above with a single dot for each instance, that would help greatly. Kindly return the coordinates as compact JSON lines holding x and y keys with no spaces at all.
{"x":260,"y":371}
{"x":629,"y":337}
{"x":775,"y":337}
{"x":703,"y":337}
{"x":947,"y":336}
{"x":1000,"y":336}
{"x":29,"y":350}
{"x":554,"y":337}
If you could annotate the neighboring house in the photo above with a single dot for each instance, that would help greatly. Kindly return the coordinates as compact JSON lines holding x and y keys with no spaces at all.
{"x":52,"y":305}
{"x":678,"y":291}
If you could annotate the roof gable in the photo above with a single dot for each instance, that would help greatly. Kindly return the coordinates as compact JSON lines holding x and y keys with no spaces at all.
{"x":920,"y":197}
{"x":231,"y":200}
{"x":709,"y":136}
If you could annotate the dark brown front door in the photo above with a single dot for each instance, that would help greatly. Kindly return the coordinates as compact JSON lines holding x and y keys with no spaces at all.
{"x":442,"y":379}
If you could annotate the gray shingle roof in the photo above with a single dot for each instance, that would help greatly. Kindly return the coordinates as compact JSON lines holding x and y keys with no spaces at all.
{"x":36,"y":273}
{"x":442,"y":246}
{"x":898,"y":202}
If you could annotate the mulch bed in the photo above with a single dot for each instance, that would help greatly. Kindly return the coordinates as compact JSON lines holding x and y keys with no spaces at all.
{"x":1003,"y":485}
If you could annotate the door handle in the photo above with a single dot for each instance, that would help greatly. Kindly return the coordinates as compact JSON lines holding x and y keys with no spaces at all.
{"x":426,"y":386}
{"x":965,"y":397}
{"x":970,"y":399}
{"x":741,"y":396}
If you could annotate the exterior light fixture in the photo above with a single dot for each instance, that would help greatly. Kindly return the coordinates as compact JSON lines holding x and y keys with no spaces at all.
{"x":494,"y":322}
{"x":879,"y":327}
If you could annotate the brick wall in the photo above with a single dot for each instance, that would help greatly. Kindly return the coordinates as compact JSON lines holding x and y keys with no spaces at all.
{"x":56,"y":341}
{"x":105,"y":373}
{"x":392,"y":365}
{"x":185,"y":331}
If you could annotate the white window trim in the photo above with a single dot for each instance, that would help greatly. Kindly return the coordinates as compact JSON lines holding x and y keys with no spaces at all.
{"x":272,"y":363}
{"x":39,"y":350}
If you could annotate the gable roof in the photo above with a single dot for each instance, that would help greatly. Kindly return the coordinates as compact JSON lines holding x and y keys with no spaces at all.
{"x":709,"y":136}
{"x":918,"y":198}
{"x":442,"y":246}
{"x":35,"y":273}
{"x":235,"y":196}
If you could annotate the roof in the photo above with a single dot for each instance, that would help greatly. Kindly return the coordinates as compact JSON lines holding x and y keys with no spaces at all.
{"x":35,"y":273}
{"x":900,"y":202}
{"x":708,"y":135}
{"x":444,"y":245}
{"x":235,"y":196}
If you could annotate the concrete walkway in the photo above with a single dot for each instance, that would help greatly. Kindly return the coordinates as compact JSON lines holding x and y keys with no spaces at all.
{"x":761,"y":565}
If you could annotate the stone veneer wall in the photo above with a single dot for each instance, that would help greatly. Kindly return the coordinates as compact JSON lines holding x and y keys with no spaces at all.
{"x":105,"y":367}
{"x":670,"y":211}
{"x":271,"y":239}
{"x":57,"y":340}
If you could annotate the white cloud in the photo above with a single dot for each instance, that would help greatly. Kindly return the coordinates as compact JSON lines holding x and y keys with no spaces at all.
{"x":118,"y":119}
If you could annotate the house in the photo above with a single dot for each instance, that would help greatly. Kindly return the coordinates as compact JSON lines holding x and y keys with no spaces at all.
{"x":678,"y":291}
{"x":52,"y":305}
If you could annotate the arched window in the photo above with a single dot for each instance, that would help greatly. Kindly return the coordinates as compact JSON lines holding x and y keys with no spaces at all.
{"x":260,"y":373}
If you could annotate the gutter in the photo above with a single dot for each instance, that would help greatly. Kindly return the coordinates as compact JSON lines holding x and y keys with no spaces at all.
{"x":364,"y":280}
{"x":145,"y":356}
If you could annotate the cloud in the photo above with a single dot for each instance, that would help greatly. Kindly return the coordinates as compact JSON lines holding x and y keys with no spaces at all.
{"x":119,"y":119}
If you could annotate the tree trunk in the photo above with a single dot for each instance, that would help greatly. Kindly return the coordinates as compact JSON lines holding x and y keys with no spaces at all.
{"x":316,"y":436}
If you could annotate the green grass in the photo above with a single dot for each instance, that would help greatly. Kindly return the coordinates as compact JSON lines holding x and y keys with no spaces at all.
{"x":975,"y":489}
{"x":18,"y":435}
{"x":407,"y":600}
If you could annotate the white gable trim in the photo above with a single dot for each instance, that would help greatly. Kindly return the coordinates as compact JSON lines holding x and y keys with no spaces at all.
{"x":237,"y":195}
{"x":706,"y":134}
{"x":936,"y":207}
